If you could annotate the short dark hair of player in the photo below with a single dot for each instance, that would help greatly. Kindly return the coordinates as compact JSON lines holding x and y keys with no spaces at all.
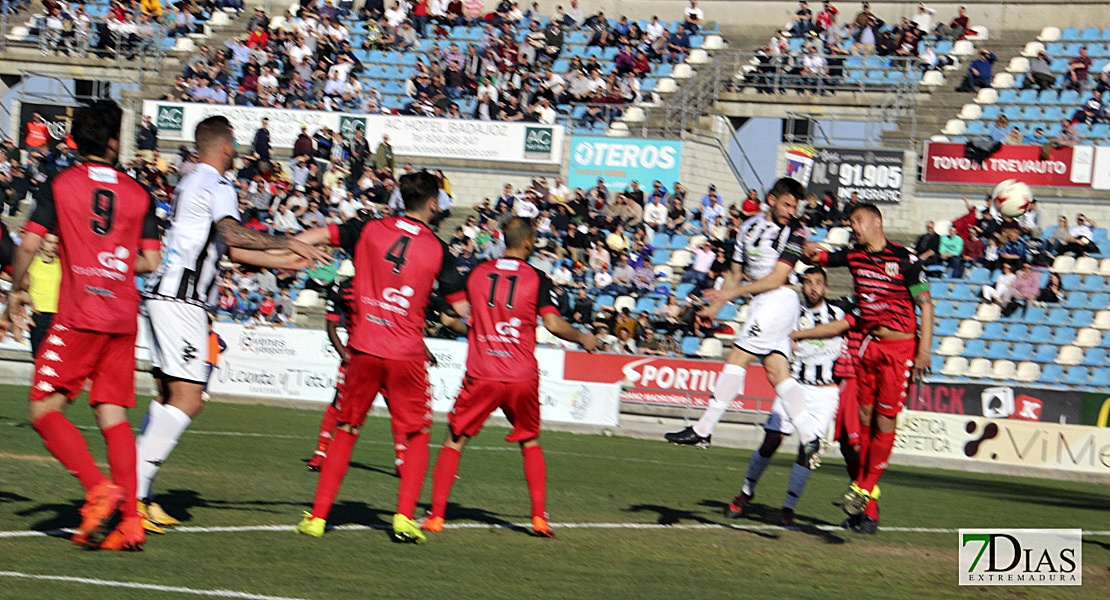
{"x":816,"y":271}
{"x":790,"y":186}
{"x":871,"y":208}
{"x":518,"y":231}
{"x":213,"y":131}
{"x":94,"y":125}
{"x":417,"y":188}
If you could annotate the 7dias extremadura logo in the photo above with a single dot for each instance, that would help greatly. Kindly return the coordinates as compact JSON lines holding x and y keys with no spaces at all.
{"x":1021,"y":557}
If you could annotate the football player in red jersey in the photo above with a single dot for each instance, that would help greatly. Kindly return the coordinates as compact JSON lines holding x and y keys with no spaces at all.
{"x":107,"y":231}
{"x":890,"y":285}
{"x":506,"y":297}
{"x":398,"y":262}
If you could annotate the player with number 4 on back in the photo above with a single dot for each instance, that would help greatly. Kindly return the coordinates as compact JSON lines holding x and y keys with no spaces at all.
{"x":507,"y":296}
{"x":399,"y":261}
{"x":107,"y":233}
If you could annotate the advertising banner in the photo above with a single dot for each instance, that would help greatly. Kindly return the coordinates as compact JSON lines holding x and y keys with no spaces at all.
{"x":1004,"y":442}
{"x":876,"y":175}
{"x":1066,"y":167}
{"x":620,"y":161}
{"x":58,"y":120}
{"x":998,"y":401}
{"x":665,"y":381}
{"x":410,"y":136}
{"x":1095,"y":409}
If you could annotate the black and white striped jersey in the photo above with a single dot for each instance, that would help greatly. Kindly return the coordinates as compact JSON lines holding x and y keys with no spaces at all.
{"x":814,"y":360}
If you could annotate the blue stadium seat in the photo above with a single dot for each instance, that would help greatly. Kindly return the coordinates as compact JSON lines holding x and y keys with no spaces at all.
{"x":938,"y":289}
{"x":1027,"y":97}
{"x":1070,"y":281}
{"x":966,"y":310}
{"x":992,"y":112}
{"x":1077,"y":375}
{"x":974,"y":349}
{"x":1069,"y":97}
{"x":728,"y":312}
{"x":1070,"y":34}
{"x":994,"y":330}
{"x":937,"y":363}
{"x":1057,"y":317}
{"x":1031,"y":113}
{"x":1012,"y":112}
{"x":1072,"y":49}
{"x":1081,"y":318}
{"x":645,"y":304}
{"x":660,"y":257}
{"x":1048,"y":97}
{"x":1094,"y":357}
{"x":979,"y":276}
{"x":683,"y":290}
{"x":661,"y":240}
{"x":690,"y":345}
{"x":1096,"y":51}
{"x":663,"y":70}
{"x":1007,"y":96}
{"x":1022,"y":351}
{"x":947,"y":327}
{"x":976,"y":128}
{"x":1063,"y":336}
{"x":648,"y":84}
{"x":1092,"y":283}
{"x":1099,"y":301}
{"x":679,"y":242}
{"x":1091,"y":34}
{"x":875,"y":77}
{"x":1017,"y":331}
{"x":1040,"y":334}
{"x":943,"y":47}
{"x":853,"y":62}
{"x":944,"y":309}
{"x":997,"y":350}
{"x":1051,"y":374}
{"x":1098,"y":235}
{"x":1059,"y":65}
{"x":1100,"y":378}
{"x":963,"y":293}
{"x":1075,"y":300}
{"x":605,"y":300}
{"x":873,"y":62}
{"x":1105,"y":340}
{"x":1045,"y":353}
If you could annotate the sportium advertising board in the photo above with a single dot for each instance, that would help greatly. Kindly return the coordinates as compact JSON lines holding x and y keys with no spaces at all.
{"x":620,"y":161}
{"x":876,"y":175}
{"x":410,"y":136}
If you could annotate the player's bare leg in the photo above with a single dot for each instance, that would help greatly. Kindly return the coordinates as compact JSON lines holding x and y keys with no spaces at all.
{"x":168,"y":416}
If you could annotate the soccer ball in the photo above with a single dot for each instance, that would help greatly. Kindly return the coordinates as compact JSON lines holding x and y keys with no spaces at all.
{"x":1011,"y":198}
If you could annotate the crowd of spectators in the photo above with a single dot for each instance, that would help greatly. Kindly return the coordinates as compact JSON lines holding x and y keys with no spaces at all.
{"x":318,"y":59}
{"x":1017,"y":250}
{"x":817,"y":65}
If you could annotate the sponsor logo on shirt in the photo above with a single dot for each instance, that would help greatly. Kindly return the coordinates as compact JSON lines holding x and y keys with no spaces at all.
{"x":394,"y":300}
{"x":891,"y":269}
{"x":103,"y":175}
{"x":508,"y":332}
{"x":407,"y":227}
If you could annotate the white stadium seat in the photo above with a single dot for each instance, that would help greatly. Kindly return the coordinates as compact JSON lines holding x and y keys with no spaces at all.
{"x":938,"y":138}
{"x":1102,"y":320}
{"x":955,"y":366}
{"x":981,"y":32}
{"x":1063,"y":264}
{"x":954,"y":127}
{"x":932,"y":78}
{"x":1104,"y":267}
{"x":618,"y":129}
{"x":681,"y":258}
{"x":1018,"y":65}
{"x":666,"y":85}
{"x":1069,"y":356}
{"x":307,"y":299}
{"x":1032,"y":49}
{"x":219,"y":19}
{"x":963,"y":48}
{"x":682,"y":71}
{"x":1049,"y":34}
{"x":1085,"y":265}
{"x":1028,"y":372}
{"x":697,"y":57}
{"x":714,"y":42}
{"x":1003,"y":369}
{"x":838,"y":237}
{"x":1088,"y":337}
{"x":979,"y":367}
{"x":988,"y":312}
{"x":1002,"y":81}
{"x":986,"y":96}
{"x":711,"y":347}
{"x":950,"y":346}
{"x":742,"y":315}
{"x":664,"y":272}
{"x":184,"y":44}
{"x":970,"y":112}
{"x":624,"y":302}
{"x":969,"y":329}
{"x":634,"y":114}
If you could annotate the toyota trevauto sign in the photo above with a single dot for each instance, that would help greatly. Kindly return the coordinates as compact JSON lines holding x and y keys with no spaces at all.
{"x":620,"y":161}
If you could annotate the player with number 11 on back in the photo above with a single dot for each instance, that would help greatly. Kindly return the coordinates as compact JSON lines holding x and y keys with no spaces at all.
{"x":398,"y":263}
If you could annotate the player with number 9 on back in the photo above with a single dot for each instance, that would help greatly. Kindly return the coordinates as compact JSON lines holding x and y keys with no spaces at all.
{"x":399,"y":261}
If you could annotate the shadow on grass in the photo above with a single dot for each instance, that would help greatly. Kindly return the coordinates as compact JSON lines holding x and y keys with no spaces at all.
{"x":58,"y":515}
{"x":390,"y":470}
{"x":1099,"y":543}
{"x":12,"y":497}
{"x":1048,"y":493}
{"x":458,"y":512}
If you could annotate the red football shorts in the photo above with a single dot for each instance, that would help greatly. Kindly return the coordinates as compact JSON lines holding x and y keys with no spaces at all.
{"x":885,"y":367}
{"x":404,"y":383}
{"x":847,"y":413}
{"x":69,"y":357}
{"x":478,"y":398}
{"x":340,"y":380}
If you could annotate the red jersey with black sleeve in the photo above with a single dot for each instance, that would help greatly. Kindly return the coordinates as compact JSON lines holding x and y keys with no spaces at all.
{"x":102,"y":218}
{"x":845,"y":366}
{"x":340,"y":305}
{"x":507,"y":296}
{"x":885,"y":283}
{"x":399,"y":261}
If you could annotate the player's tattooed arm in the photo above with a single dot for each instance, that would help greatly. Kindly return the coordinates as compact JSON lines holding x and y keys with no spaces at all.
{"x":235,"y":235}
{"x":921,"y":362}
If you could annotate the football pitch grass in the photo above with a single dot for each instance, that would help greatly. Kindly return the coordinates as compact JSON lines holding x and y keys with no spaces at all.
{"x":633,"y":519}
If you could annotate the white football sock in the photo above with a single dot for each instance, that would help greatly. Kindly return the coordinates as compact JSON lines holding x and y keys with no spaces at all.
{"x":164,"y":425}
{"x":793,"y":397}
{"x":799,"y":476}
{"x":730,"y":382}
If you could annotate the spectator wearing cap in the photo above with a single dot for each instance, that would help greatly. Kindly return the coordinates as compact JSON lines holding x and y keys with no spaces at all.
{"x":978,"y":72}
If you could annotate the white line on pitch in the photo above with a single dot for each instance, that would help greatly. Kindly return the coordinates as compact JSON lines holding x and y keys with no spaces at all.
{"x":144,"y":586}
{"x":637,"y":526}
